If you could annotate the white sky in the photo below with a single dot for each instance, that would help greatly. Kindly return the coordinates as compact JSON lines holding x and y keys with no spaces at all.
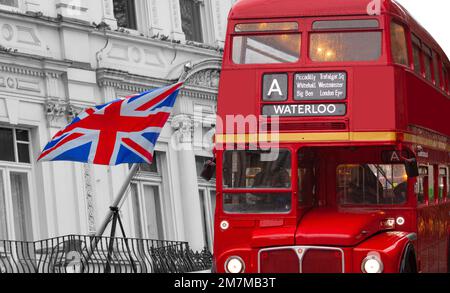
{"x":434,"y":16}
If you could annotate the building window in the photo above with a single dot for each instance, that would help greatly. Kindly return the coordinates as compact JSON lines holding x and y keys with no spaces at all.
{"x":200,"y":163}
{"x":399,"y":47}
{"x":206,"y":223}
{"x":191,"y":20}
{"x":9,"y":4}
{"x":15,"y":145}
{"x":125,"y":13}
{"x":147,"y":210}
{"x":15,"y":205}
{"x":15,"y":208}
{"x":207,"y":197}
{"x":147,"y":200}
{"x":148,"y":168}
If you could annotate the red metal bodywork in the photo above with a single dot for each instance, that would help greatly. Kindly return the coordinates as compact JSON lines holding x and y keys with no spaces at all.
{"x":383,"y":99}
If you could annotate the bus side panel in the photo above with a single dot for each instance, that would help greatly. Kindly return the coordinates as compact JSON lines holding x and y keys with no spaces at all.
{"x":424,"y":102}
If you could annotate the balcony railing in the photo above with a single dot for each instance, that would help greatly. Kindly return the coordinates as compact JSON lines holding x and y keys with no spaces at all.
{"x":88,"y":254}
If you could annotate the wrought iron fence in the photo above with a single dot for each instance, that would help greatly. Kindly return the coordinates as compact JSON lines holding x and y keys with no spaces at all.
{"x":89,"y":254}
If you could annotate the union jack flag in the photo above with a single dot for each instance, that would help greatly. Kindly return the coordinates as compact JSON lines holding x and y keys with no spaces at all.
{"x":122,"y":131}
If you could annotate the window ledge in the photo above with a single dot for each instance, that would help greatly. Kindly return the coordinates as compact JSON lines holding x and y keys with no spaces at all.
{"x":10,"y":8}
{"x":128,"y":31}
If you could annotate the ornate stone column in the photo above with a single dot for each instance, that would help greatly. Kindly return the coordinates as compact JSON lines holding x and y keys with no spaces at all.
{"x":32,"y":5}
{"x":177,"y":30}
{"x":108,"y":90}
{"x":155,"y":14}
{"x":192,"y":216}
{"x":76,"y":9}
{"x":108,"y":14}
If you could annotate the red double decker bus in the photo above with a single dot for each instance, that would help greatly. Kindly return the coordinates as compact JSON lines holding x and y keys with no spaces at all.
{"x":350,"y":170}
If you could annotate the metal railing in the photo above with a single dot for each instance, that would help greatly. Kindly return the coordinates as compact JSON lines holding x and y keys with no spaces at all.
{"x":90,"y":254}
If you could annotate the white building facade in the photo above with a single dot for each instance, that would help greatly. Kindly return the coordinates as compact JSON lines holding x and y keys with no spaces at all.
{"x":58,"y":57}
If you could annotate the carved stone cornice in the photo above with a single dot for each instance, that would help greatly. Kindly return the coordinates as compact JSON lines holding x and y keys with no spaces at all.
{"x":59,"y":112}
{"x":125,"y":81}
{"x":21,"y":70}
{"x":55,"y":110}
{"x":208,"y":78}
{"x":123,"y":86}
{"x":211,"y":96}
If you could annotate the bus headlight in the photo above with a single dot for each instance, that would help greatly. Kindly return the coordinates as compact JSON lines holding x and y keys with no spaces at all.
{"x":372,"y":264}
{"x":234,"y":265}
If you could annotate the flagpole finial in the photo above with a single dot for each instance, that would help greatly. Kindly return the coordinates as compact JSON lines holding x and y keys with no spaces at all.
{"x":188,"y":66}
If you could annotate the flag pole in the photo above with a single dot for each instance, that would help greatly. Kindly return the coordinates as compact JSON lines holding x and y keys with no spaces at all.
{"x":118,"y":199}
{"x":112,"y":209}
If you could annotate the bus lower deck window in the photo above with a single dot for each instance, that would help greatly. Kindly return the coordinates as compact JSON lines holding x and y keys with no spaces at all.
{"x":257,"y":169}
{"x":257,"y":203}
{"x":373,"y":184}
{"x":345,"y":46}
{"x":266,"y":49}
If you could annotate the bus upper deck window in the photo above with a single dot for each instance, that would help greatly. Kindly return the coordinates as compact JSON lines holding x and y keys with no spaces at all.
{"x":266,"y":43}
{"x":266,"y":49}
{"x":266,"y":27}
{"x":416,"y":45}
{"x":446,"y":82}
{"x":345,"y":24}
{"x":399,"y":46}
{"x":345,"y":46}
{"x":437,"y":71}
{"x":427,"y":58}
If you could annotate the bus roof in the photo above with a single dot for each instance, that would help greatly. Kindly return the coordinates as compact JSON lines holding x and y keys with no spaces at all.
{"x":245,"y":9}
{"x":266,"y":9}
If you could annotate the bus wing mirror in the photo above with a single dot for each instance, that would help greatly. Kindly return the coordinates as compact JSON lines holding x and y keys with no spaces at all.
{"x":412,"y":170}
{"x":209,"y":169}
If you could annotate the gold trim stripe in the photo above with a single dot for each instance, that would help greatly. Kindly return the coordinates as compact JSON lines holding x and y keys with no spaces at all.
{"x":331,"y":137}
{"x":306,"y":137}
{"x":420,"y":140}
